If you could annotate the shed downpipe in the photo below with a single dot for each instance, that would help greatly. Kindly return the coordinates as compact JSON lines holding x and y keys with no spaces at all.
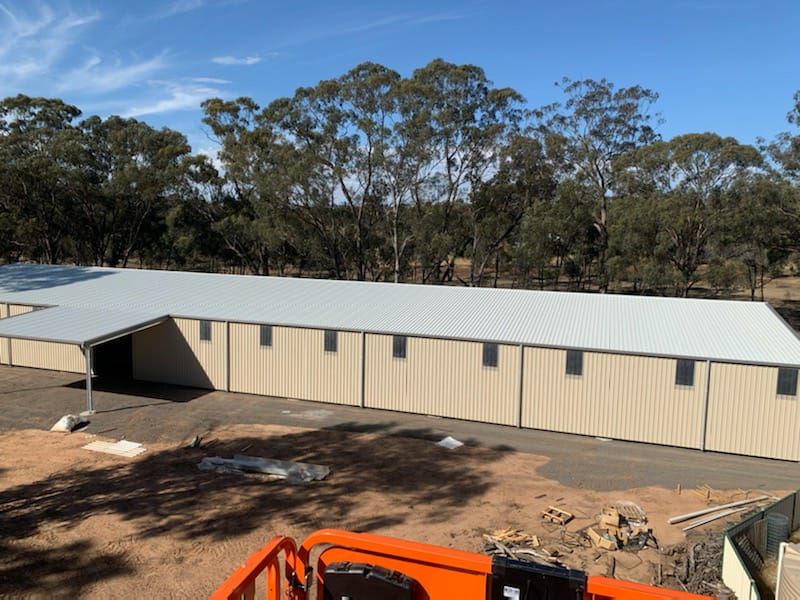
{"x":87,"y":352}
{"x":705,"y":406}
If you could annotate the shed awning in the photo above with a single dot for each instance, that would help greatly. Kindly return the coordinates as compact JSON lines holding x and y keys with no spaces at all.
{"x":84,"y":327}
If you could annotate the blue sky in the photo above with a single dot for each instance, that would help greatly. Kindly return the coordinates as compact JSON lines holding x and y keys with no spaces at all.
{"x":728,"y":66}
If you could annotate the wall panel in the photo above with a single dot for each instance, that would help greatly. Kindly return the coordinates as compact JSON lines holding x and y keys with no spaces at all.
{"x":172,"y":352}
{"x":4,"y":342}
{"x":442,"y":377}
{"x":747,"y":416}
{"x":296,"y":365}
{"x":39,"y":355}
{"x":618,"y":396}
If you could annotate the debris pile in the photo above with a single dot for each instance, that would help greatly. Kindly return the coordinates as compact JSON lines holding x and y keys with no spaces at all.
{"x":622,"y":525}
{"x":518,"y":545}
{"x":292,"y":472}
{"x":693,"y":566}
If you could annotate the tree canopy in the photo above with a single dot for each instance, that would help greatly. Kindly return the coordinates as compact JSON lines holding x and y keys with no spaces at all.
{"x":440,"y":177}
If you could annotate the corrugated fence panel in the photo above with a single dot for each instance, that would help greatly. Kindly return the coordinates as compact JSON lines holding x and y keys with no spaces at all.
{"x":40,"y":355}
{"x":734,"y":573}
{"x":617,"y":396}
{"x":442,"y":377}
{"x":747,"y":416}
{"x":296,"y":365}
{"x":172,"y":352}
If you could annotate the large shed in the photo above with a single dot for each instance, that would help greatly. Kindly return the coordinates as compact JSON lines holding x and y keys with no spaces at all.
{"x":706,"y":374}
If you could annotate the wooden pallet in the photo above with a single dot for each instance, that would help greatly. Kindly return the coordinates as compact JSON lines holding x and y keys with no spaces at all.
{"x":556,"y":515}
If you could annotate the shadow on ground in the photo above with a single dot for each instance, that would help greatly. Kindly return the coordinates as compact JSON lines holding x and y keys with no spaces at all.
{"x":163,"y":493}
{"x":142,"y":389}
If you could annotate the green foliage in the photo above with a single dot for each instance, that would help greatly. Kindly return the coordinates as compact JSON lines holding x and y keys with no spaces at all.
{"x":433,"y":177}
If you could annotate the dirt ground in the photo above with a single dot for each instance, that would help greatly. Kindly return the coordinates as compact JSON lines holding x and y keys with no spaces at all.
{"x":75,"y":523}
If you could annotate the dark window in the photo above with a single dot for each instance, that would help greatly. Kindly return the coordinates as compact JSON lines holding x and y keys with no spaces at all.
{"x":489,"y":355}
{"x":266,"y":336}
{"x":574,"y":362}
{"x":787,"y":381}
{"x":205,"y":331}
{"x":330,"y":340}
{"x":684,"y":372}
{"x":399,"y":346}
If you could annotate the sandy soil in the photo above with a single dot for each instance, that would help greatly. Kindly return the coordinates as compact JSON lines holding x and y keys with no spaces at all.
{"x":75,"y":523}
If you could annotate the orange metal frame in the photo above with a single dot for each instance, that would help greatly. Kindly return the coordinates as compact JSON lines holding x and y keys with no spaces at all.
{"x":602,"y":588}
{"x":241,"y":585}
{"x":443,"y":573}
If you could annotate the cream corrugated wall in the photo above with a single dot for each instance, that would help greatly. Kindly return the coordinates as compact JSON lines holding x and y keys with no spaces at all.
{"x":3,"y":341}
{"x":747,"y":416}
{"x":618,"y":396}
{"x":442,"y":377}
{"x":296,"y":366}
{"x":173,"y":353}
{"x":42,"y":355}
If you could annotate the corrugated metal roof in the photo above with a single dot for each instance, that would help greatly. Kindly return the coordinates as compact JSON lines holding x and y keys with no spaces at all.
{"x":746,"y":332}
{"x":76,"y":325}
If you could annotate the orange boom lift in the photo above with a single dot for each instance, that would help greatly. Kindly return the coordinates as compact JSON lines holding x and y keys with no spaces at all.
{"x":342,"y":565}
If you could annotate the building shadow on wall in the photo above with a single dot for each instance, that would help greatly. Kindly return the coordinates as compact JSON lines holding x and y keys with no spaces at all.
{"x":164,"y":494}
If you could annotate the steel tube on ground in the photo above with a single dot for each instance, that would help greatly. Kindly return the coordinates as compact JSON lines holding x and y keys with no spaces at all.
{"x":705,"y":511}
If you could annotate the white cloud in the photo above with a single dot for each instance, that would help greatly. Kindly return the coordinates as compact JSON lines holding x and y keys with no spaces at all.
{"x":216,"y":80}
{"x":234,"y":60}
{"x":33,"y":42}
{"x":99,"y":76}
{"x":176,"y":95}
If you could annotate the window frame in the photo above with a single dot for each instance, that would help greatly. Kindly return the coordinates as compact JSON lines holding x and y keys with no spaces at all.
{"x":265,"y":335}
{"x":574,"y":358}
{"x":787,"y":375}
{"x":331,"y":341}
{"x":681,"y":367}
{"x":491,"y":355}
{"x":205,"y":330}
{"x":400,"y":347}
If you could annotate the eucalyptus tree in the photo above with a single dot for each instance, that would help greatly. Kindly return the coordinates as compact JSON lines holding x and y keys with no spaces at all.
{"x":756,"y":231}
{"x":247,"y":204}
{"x":595,"y":125}
{"x":38,"y":170}
{"x":688,"y":183}
{"x":339,"y":134}
{"x":498,"y":205}
{"x":464,"y":122}
{"x":785,"y":149}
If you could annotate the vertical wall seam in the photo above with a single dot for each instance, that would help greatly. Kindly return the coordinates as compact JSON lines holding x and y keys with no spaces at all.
{"x":520,"y":385}
{"x":704,"y":426}
{"x":363,"y":368}
{"x":227,"y":356}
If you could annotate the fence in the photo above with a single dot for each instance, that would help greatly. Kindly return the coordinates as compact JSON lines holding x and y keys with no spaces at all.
{"x":745,"y":545}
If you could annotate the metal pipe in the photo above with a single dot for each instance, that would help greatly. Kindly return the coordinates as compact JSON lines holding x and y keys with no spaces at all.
{"x":87,"y":352}
{"x":727,"y":513}
{"x":705,"y":511}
